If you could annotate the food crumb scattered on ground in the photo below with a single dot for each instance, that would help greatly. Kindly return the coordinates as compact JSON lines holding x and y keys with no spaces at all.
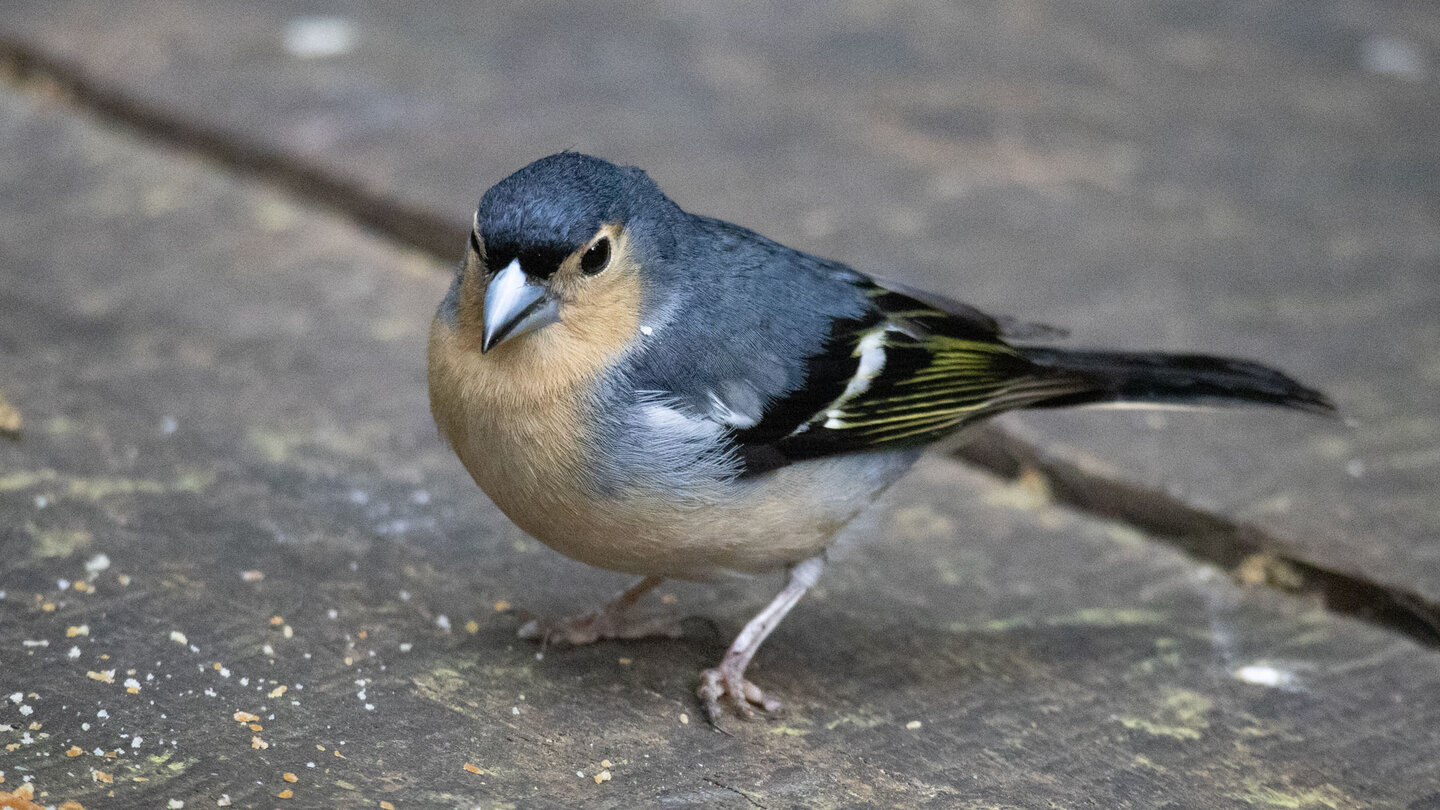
{"x":278,"y":691}
{"x":913,"y":724}
{"x":684,"y":719}
{"x":258,"y":744}
{"x":177,"y":636}
{"x":386,"y":806}
{"x":252,"y":576}
{"x":285,"y":794}
{"x":101,"y":776}
{"x":10,"y":421}
{"x":73,"y":751}
{"x":21,"y":799}
{"x":501,"y":606}
{"x":245,"y":717}
{"x":603,"y":776}
{"x":472,"y":768}
{"x":104,"y":676}
{"x":290,"y":777}
{"x":77,"y":630}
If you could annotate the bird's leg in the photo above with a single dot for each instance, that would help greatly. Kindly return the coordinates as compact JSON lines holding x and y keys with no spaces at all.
{"x":609,"y":621}
{"x":727,"y":682}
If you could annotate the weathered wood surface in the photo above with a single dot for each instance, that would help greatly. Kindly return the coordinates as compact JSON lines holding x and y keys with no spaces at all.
{"x":218,"y":379}
{"x":1256,"y":179}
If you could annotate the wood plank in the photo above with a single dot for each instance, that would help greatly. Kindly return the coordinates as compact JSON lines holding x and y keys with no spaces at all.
{"x":1255,"y":180}
{"x":216,"y":380}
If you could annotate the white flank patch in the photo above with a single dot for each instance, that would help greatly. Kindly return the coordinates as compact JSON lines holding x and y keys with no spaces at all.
{"x":724,"y":413}
{"x":670,"y":422}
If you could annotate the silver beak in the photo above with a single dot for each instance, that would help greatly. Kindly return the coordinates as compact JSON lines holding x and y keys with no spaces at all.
{"x":514,"y":305}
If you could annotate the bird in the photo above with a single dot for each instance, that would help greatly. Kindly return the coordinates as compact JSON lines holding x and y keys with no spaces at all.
{"x":674,"y":396}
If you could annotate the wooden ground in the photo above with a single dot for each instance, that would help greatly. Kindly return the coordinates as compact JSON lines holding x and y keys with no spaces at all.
{"x":219,"y":249}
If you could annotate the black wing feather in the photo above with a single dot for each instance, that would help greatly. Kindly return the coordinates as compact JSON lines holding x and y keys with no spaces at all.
{"x":938,"y":370}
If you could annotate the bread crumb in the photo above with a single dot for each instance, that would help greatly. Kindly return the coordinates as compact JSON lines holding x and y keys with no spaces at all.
{"x":178,"y":637}
{"x":73,"y":751}
{"x":256,"y":727}
{"x":285,"y":794}
{"x":472,"y":768}
{"x":101,"y":776}
{"x":77,"y":630}
{"x":106,"y":676}
{"x":276,"y":621}
{"x":625,"y":662}
{"x":684,"y":719}
{"x":386,"y":806}
{"x":245,"y":717}
{"x":603,"y":776}
{"x":472,"y":627}
{"x":20,"y":799}
{"x":10,"y":421}
{"x":258,"y":744}
{"x":72,"y":805}
{"x":252,"y":576}
{"x":278,"y":691}
{"x":502,"y":606}
{"x":290,"y":777}
{"x":913,"y":724}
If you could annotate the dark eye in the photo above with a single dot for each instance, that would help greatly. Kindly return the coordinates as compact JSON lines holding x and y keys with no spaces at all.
{"x":596,"y":257}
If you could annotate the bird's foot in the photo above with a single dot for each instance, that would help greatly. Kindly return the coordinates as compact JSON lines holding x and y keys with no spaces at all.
{"x":601,"y":624}
{"x":725,"y":687}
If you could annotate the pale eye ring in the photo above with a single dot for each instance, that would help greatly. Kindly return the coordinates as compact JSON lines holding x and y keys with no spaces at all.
{"x":596,"y":258}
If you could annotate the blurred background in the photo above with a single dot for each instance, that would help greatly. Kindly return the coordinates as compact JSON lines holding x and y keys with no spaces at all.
{"x":223,"y":227}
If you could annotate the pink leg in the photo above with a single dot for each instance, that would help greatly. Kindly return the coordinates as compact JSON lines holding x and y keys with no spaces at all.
{"x":609,"y":621}
{"x":727,"y":682}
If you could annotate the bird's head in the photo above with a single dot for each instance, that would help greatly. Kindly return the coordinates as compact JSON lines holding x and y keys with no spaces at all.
{"x":564,"y":239}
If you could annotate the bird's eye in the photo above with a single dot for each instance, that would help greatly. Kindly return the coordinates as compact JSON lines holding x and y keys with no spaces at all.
{"x":596,"y":257}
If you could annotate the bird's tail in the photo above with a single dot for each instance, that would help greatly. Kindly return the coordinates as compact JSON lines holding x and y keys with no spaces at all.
{"x":1155,"y":378}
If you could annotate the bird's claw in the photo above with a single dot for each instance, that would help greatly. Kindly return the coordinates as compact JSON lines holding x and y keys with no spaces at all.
{"x":721,"y":689}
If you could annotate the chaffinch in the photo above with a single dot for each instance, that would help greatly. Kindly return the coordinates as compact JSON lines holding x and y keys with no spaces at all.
{"x":674,"y":396}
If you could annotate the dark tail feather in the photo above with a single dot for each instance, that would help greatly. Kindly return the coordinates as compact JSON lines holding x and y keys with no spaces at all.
{"x":1177,"y":379}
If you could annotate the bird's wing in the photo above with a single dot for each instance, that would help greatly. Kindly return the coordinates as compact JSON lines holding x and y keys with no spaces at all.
{"x":902,"y":373}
